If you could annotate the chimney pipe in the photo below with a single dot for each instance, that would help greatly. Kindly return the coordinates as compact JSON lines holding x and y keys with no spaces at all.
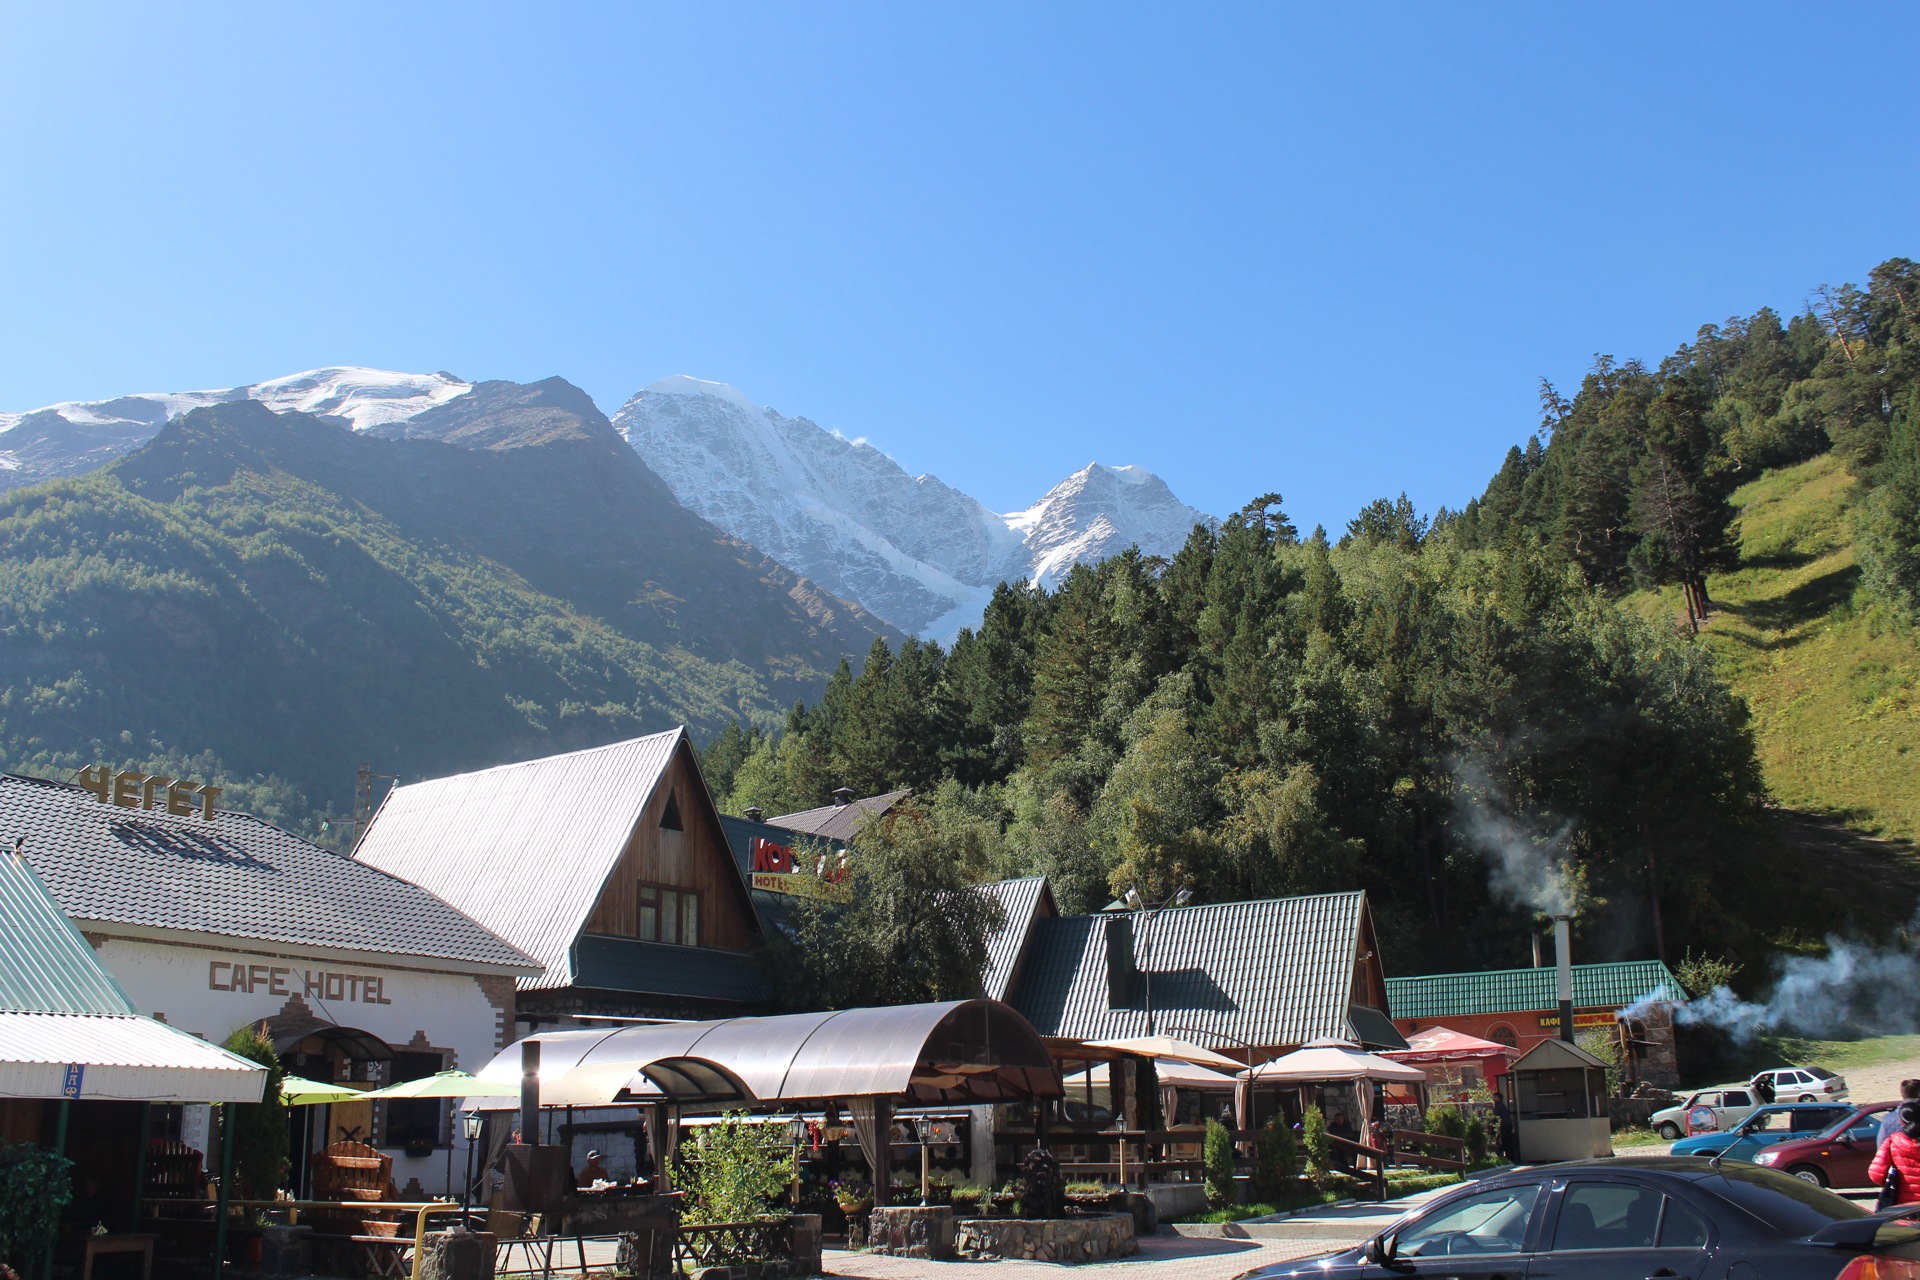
{"x":755,"y":813}
{"x":842,"y":796}
{"x":530,"y":1092}
{"x":1534,"y":934}
{"x":1563,"y":962}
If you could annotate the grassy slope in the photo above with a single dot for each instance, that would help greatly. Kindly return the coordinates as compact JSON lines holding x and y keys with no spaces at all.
{"x":1833,"y":684}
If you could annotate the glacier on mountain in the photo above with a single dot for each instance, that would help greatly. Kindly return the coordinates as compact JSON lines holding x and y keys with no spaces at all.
{"x":78,"y":435}
{"x":912,"y":549}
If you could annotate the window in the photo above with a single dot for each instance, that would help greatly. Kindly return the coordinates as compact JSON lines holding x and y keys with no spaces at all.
{"x":1737,"y":1098}
{"x":670,"y":820}
{"x":413,"y":1122}
{"x":1491,"y":1222}
{"x":1501,"y":1033}
{"x":1681,"y":1227}
{"x":669,"y":915}
{"x":1607,"y":1215}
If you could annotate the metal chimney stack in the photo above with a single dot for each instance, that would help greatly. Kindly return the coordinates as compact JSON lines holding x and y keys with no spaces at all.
{"x":1563,"y":963}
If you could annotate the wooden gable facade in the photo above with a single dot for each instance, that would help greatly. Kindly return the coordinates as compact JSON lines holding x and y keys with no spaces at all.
{"x":676,"y":882}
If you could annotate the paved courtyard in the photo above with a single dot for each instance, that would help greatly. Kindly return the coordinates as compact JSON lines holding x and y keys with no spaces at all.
{"x":1172,"y":1257}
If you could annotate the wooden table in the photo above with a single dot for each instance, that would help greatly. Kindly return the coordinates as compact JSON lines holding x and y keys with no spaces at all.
{"x":119,"y":1242}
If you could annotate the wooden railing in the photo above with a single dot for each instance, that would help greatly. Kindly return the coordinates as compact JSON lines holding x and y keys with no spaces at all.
{"x":1398,"y":1140}
{"x":720,"y":1244}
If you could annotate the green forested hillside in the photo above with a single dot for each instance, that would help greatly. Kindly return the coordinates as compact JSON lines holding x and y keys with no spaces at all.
{"x":282,"y":599}
{"x":1441,"y":712}
{"x":1831,"y":676}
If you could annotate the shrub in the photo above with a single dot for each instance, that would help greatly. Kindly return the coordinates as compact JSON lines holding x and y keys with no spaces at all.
{"x":1216,"y":1155}
{"x":1603,"y":1044}
{"x":1313,"y":1134}
{"x":1476,"y":1139}
{"x":733,"y":1171}
{"x":1276,"y":1159}
{"x":35,"y":1186}
{"x":1445,"y":1121}
{"x":259,"y":1128}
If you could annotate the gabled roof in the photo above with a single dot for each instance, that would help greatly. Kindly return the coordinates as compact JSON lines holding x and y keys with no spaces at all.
{"x":1023,"y":901}
{"x":46,"y":966}
{"x":1613,"y":985}
{"x":1278,"y":971}
{"x":235,"y":877}
{"x":838,"y":821}
{"x":526,"y":848}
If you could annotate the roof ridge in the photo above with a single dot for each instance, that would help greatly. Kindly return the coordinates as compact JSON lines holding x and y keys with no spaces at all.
{"x":558,"y":755}
{"x":1521,"y":968}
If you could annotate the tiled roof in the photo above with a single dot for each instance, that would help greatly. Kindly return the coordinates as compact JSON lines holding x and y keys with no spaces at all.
{"x":1272,"y":972}
{"x":1614,"y":985}
{"x":45,"y":965}
{"x":524,"y":848}
{"x":236,"y":876}
{"x":1022,"y":901}
{"x":625,"y":964}
{"x":838,"y":821}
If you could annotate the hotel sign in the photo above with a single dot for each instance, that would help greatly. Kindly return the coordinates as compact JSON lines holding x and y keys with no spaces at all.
{"x":131,"y":789}
{"x":775,"y":871}
{"x":282,"y":980}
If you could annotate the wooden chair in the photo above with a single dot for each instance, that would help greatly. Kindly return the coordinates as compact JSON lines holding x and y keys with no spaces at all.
{"x":521,"y":1231}
{"x":349,"y":1171}
{"x":174,"y":1172}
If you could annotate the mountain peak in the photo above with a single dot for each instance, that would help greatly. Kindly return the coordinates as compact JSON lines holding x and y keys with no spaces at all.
{"x":680,"y":384}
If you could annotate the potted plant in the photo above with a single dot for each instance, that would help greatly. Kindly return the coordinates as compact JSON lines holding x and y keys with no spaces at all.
{"x":853,"y":1195}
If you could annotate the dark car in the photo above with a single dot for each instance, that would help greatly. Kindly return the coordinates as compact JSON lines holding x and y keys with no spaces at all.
{"x":1675,"y":1217}
{"x":1836,"y":1157}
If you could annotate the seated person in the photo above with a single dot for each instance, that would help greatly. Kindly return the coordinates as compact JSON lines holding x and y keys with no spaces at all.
{"x":592,"y":1171}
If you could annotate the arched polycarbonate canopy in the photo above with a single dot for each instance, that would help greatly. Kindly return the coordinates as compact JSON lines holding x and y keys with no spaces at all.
{"x":953,"y":1053}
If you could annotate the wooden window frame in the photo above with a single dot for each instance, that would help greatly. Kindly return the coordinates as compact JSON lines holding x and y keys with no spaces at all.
{"x":684,"y":924}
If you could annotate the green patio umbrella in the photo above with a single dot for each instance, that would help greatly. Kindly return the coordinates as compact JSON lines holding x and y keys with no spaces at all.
{"x":306,"y":1093}
{"x":448,"y":1084}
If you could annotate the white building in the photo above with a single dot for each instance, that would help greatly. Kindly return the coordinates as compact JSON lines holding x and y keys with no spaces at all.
{"x":211,"y":920}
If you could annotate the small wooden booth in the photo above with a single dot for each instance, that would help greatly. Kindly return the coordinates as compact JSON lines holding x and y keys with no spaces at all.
{"x":1558,"y":1092}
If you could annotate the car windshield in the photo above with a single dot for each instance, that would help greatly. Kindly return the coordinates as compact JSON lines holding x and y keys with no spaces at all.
{"x":1820,"y":1073}
{"x":1765,"y":1122}
{"x":1781,"y":1201}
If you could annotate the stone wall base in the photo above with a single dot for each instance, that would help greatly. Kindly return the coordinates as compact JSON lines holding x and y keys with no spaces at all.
{"x":1068,"y":1240}
{"x":911,"y":1231}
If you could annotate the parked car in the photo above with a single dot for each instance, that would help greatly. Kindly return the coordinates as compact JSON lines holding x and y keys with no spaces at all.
{"x":1836,"y":1157}
{"x":1803,"y":1084}
{"x":1765,"y":1127}
{"x":1607,"y":1219}
{"x":1731,"y":1104}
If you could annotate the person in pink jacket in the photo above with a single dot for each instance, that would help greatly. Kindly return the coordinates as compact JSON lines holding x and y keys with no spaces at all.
{"x":1899,"y":1157}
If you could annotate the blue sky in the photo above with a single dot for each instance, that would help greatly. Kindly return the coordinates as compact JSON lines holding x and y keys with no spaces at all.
{"x":1328,"y":251}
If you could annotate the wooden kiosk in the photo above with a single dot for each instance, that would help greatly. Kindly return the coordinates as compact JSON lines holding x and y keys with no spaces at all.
{"x":1558,"y":1092}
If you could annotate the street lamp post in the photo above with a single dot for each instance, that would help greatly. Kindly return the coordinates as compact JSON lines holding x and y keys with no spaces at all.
{"x":471,"y":1122}
{"x":923,"y":1127}
{"x":1179,"y":898}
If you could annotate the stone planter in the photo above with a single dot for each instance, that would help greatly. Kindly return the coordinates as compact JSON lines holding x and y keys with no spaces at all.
{"x":911,"y":1231}
{"x":1096,"y":1238}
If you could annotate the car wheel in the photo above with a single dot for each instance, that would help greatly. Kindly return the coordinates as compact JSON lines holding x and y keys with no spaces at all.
{"x":1807,"y":1097}
{"x":1809,"y":1173}
{"x":1670,"y":1131}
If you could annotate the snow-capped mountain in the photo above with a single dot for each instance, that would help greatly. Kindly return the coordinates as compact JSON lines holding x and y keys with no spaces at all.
{"x":76,"y":436}
{"x":911,"y":549}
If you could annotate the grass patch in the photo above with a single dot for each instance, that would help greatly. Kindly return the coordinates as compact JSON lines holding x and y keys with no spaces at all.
{"x":1847,"y":1055}
{"x":1411,"y":1182}
{"x":1635,"y":1137}
{"x":1833,"y":683}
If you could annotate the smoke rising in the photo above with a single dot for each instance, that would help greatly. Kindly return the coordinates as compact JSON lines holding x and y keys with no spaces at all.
{"x":1527,"y":866}
{"x":1856,"y":989}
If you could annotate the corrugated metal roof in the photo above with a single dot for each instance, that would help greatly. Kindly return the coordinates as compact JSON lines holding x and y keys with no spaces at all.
{"x":236,"y":877}
{"x":838,"y":821}
{"x":1021,"y":900}
{"x":523,"y":848}
{"x":699,"y":973}
{"x":123,"y":1056}
{"x":45,"y":965}
{"x":1613,"y":985}
{"x":1273,"y":972}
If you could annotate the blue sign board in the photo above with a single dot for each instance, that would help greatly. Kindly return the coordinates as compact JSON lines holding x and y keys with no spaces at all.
{"x":70,"y":1087}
